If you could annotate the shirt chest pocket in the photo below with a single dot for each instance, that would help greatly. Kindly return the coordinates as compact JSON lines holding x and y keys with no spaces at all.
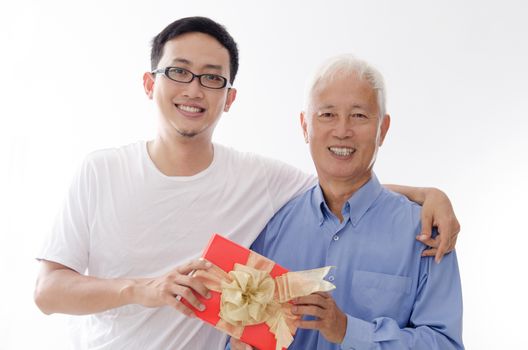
{"x":377,"y":294}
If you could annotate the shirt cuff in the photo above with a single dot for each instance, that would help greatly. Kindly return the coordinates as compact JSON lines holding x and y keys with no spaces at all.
{"x":358,"y":335}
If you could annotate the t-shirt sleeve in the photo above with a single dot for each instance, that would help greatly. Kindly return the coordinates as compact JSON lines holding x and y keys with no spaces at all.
{"x":68,"y":241}
{"x":285,"y":182}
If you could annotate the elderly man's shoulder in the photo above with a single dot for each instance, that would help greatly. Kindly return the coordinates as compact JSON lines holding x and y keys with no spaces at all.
{"x":398,"y":205}
{"x":302,"y":203}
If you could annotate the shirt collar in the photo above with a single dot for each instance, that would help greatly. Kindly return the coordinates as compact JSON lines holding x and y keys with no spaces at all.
{"x":318,"y":203}
{"x":358,"y":203}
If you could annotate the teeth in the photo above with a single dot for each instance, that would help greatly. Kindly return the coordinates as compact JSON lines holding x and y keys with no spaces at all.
{"x":190,"y":108}
{"x":342,"y":151}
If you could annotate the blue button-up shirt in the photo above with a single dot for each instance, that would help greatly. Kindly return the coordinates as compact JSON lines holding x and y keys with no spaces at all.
{"x":393,"y":297}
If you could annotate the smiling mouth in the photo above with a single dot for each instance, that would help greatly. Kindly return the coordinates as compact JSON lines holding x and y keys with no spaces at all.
{"x":342,"y":151}
{"x":190,"y":109}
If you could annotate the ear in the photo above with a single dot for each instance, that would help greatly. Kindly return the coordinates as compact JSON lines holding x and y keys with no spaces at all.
{"x":231,"y":96}
{"x":304,"y":126}
{"x":385,"y":124}
{"x":148,"y":84}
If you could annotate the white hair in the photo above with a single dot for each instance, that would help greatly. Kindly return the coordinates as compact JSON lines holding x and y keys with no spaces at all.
{"x":344,"y":65}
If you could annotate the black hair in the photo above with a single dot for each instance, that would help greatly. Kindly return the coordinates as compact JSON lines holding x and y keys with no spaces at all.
{"x":195,"y":24}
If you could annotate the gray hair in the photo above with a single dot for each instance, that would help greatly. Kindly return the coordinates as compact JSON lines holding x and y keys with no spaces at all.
{"x":344,"y":65}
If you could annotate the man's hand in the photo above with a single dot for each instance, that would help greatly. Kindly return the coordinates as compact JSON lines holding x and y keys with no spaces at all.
{"x":170,"y":288}
{"x":330,"y":321}
{"x":437,"y":211}
{"x":239,"y":345}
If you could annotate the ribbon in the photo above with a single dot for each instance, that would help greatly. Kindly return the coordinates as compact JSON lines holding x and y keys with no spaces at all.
{"x":251,"y":296}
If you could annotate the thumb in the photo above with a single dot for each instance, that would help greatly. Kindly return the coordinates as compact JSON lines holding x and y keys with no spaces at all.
{"x":427,"y":227}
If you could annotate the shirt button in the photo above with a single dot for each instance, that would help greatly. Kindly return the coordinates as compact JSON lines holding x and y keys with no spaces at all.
{"x":331,"y":278}
{"x":336,"y":238}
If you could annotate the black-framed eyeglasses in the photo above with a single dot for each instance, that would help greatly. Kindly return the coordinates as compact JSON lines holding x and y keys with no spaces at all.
{"x":182,"y":75}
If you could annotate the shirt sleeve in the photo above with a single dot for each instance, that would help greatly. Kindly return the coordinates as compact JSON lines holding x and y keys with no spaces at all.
{"x":68,"y":241}
{"x":435,"y":322}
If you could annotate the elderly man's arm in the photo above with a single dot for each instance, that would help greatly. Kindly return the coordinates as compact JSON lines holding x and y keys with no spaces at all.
{"x":435,"y":322}
{"x":438,"y":212}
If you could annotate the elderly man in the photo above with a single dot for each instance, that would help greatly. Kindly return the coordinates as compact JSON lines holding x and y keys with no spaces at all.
{"x":387,"y":296}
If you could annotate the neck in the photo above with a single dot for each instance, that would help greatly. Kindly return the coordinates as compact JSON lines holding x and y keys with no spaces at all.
{"x":182,"y":157}
{"x":337,"y":192}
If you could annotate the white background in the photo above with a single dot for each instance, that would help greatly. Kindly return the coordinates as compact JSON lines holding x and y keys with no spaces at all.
{"x":456,"y":76}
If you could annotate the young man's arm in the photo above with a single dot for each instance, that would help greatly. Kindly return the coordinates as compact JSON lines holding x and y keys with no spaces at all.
{"x":60,"y":289}
{"x":438,"y":212}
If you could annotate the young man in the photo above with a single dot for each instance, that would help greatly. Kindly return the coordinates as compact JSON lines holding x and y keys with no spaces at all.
{"x":387,"y":296}
{"x":137,"y":217}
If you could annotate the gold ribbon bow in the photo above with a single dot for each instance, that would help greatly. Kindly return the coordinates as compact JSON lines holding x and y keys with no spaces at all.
{"x":251,"y":296}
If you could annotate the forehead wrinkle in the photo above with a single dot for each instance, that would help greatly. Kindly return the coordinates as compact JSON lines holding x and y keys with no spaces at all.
{"x":327,"y":106}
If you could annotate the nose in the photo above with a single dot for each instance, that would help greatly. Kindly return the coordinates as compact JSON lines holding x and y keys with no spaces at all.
{"x":343,"y":128}
{"x":193,"y":89}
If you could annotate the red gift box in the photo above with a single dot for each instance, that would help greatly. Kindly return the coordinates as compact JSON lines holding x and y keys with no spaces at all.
{"x":225,"y":253}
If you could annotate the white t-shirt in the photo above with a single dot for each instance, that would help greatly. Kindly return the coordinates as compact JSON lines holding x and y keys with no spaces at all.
{"x":124,"y":218}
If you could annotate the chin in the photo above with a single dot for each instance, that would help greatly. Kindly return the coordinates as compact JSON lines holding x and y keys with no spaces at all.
{"x":188,"y":134}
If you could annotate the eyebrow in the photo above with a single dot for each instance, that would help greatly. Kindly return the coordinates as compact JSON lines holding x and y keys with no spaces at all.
{"x":354,"y":106}
{"x":207,"y":66}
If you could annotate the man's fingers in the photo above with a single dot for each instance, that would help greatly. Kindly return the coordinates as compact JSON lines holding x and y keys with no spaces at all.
{"x":173,"y":301}
{"x":429,"y":252}
{"x":431,"y":242}
{"x":310,"y":310}
{"x":187,"y":294}
{"x":427,"y":226}
{"x":452,"y":242}
{"x":180,"y":283}
{"x":309,"y":324}
{"x":194,"y":284}
{"x":312,"y":299}
{"x":442,"y":248}
{"x":449,"y":235}
{"x":192,"y":265}
{"x":325,"y":295}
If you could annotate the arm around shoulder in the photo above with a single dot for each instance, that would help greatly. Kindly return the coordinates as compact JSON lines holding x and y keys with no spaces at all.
{"x":437,"y":211}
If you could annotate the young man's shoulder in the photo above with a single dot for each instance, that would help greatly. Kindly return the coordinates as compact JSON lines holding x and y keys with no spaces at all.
{"x":245,"y":157}
{"x":252,"y":164}
{"x":110,"y":155}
